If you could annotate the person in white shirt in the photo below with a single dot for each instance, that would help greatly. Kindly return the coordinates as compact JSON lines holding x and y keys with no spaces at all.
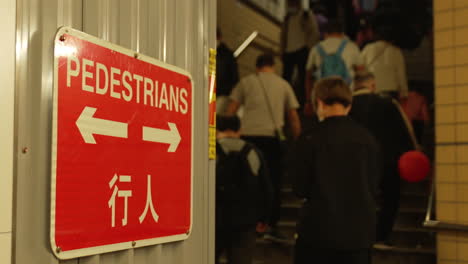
{"x":269,"y":103}
{"x":299,"y":33}
{"x":387,"y":63}
{"x":335,"y":41}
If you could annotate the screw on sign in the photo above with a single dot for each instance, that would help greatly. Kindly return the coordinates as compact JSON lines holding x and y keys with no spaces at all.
{"x":121,"y":149}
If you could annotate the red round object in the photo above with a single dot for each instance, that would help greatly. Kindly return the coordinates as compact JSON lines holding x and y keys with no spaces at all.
{"x":414,"y":166}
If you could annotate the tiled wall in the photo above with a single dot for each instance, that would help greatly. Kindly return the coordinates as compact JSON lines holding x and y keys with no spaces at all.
{"x":237,"y":21}
{"x":451,"y":77}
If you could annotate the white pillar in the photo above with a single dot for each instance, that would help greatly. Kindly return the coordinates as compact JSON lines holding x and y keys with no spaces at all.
{"x":7,"y":102}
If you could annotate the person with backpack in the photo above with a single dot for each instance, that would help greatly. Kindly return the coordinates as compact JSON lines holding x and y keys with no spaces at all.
{"x":243,"y":193}
{"x":336,"y":55}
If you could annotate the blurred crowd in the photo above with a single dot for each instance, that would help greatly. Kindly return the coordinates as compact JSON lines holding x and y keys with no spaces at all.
{"x":354,"y":91}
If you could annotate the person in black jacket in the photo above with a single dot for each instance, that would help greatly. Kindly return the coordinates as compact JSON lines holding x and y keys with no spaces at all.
{"x":386,"y":121}
{"x":336,"y":171}
{"x":227,"y":74}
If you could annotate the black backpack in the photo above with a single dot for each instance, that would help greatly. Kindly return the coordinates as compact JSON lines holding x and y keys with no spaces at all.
{"x":236,"y":189}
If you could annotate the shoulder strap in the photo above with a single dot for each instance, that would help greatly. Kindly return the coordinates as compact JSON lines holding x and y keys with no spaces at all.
{"x":321,"y":51}
{"x":270,"y":110}
{"x":342,"y":47}
{"x":219,"y":150}
{"x":378,"y":56}
{"x":246,"y":149}
{"x":408,"y":124}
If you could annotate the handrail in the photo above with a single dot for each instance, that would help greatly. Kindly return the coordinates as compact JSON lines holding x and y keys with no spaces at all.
{"x":250,"y":41}
{"x":245,"y":44}
{"x":430,"y":204}
{"x":435,"y":224}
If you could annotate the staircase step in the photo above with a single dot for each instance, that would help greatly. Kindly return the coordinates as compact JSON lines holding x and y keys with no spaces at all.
{"x":408,"y":250}
{"x":287,"y":228}
{"x":401,"y":236}
{"x":408,"y":214}
{"x":294,"y":204}
{"x":403,"y":229}
{"x":273,"y":252}
{"x":396,"y":249}
{"x":420,"y":187}
{"x":289,"y":242}
{"x":404,"y":256}
{"x":411,"y":218}
{"x":255,"y":261}
{"x":276,"y":253}
{"x":267,"y":252}
{"x":409,"y":229}
{"x":413,"y":238}
{"x":409,"y":198}
{"x":414,"y":200}
{"x":297,"y":204}
{"x":411,"y":210}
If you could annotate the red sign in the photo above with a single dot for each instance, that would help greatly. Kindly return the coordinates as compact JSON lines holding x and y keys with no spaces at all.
{"x":121,"y":148}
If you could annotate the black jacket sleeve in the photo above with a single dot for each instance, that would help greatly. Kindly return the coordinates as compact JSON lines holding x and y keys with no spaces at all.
{"x":233,"y":71}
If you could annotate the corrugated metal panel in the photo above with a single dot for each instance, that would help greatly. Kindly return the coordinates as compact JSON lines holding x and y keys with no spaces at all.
{"x":178,"y":32}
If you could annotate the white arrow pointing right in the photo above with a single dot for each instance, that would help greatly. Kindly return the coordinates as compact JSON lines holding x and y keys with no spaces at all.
{"x":171,"y":136}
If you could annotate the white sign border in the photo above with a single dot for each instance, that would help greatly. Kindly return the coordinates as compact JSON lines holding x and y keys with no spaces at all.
{"x":70,"y":254}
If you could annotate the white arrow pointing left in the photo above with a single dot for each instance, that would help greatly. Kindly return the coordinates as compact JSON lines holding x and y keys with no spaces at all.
{"x":89,"y":126}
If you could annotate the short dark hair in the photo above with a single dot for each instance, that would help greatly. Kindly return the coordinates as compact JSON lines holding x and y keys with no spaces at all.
{"x":332,"y":90}
{"x":219,"y":34}
{"x":362,"y":77}
{"x":294,"y":2}
{"x":334,"y":26}
{"x":225,"y":123}
{"x":319,"y":9}
{"x":266,"y":59}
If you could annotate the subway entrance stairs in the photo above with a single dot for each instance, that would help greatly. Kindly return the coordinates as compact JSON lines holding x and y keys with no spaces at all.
{"x":412,"y":243}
